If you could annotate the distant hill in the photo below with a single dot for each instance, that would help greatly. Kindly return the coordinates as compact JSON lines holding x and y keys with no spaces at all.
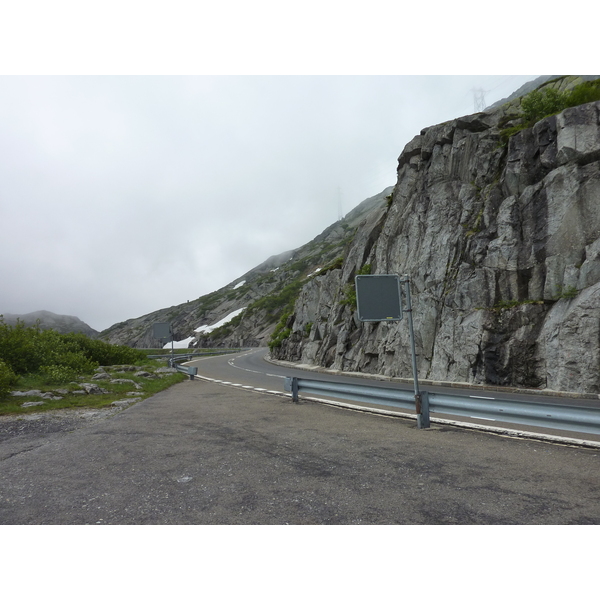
{"x":50,"y":320}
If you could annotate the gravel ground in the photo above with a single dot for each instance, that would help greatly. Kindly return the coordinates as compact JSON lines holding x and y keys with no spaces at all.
{"x":49,"y":420}
{"x":201,"y":453}
{"x":20,"y":433}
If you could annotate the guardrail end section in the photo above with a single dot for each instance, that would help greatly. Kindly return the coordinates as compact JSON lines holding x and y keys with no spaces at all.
{"x":287,"y":384}
{"x":290,"y":384}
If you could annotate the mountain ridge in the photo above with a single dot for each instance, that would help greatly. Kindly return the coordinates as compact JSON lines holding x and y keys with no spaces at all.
{"x":50,"y":320}
{"x":264,"y":292}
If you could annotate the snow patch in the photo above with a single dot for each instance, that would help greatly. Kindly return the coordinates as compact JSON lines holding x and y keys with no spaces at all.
{"x":181,"y":343}
{"x":205,"y":329}
{"x":239,"y":285}
{"x":223,"y":321}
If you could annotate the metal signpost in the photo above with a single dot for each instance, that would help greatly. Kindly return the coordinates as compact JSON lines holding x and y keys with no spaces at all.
{"x":379,"y":298}
{"x":162,"y":332}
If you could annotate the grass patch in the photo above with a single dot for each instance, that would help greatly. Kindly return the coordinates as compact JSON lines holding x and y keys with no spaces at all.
{"x":116,"y":391}
{"x":278,"y":303}
{"x":569,"y":292}
{"x":508,"y":304}
{"x":337,"y":263}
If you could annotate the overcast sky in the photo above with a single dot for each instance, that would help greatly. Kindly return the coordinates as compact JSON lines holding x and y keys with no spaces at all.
{"x":121,"y":195}
{"x":124,"y":190}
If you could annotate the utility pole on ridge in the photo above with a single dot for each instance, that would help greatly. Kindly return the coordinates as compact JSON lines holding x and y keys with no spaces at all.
{"x":479,"y":99}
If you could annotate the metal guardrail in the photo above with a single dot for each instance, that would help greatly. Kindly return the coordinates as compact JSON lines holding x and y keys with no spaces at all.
{"x":174,"y":359}
{"x":192,"y":355}
{"x":553,"y":416}
{"x":191,"y":371}
{"x":350,"y":391}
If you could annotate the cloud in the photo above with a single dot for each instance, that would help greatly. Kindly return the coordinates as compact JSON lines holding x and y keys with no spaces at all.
{"x":120,"y":195}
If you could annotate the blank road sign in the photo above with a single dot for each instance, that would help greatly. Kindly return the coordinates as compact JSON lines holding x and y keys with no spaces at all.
{"x":378,"y":297}
{"x":161,"y":331}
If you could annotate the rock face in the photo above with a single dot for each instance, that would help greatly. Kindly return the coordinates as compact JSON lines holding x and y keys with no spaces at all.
{"x":501,"y":242}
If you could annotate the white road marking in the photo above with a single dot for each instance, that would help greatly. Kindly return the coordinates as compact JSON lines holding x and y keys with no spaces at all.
{"x":232,"y":364}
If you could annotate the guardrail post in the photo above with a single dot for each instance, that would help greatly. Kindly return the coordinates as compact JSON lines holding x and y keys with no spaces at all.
{"x":422,"y":406}
{"x":295,"y":389}
{"x":192,"y":371}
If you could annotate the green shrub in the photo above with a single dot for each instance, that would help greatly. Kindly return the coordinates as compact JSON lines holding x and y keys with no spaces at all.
{"x":76,"y":361}
{"x":19,"y":348}
{"x":102,"y":352}
{"x":349,"y":295}
{"x":276,"y":340}
{"x":539,"y":104}
{"x":53,"y":348}
{"x":281,"y":332}
{"x":57,"y":357}
{"x":588,"y":91}
{"x":278,"y":303}
{"x":7,"y":379}
{"x":57,"y":374}
{"x":542,"y":103}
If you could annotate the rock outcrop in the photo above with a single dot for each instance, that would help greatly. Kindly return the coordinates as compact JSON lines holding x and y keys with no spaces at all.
{"x":501,"y":241}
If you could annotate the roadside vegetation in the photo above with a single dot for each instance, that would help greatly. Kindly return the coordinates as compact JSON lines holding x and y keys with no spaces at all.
{"x":57,"y":364}
{"x":548,"y":101}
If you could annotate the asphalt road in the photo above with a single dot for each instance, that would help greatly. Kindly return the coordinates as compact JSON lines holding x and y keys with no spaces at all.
{"x":249,"y":369}
{"x":207,"y":453}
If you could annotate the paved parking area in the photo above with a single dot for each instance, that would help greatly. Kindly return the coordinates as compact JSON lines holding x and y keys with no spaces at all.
{"x":202,"y":453}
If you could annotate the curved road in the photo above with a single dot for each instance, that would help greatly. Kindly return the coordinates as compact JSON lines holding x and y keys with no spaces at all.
{"x":250,"y":370}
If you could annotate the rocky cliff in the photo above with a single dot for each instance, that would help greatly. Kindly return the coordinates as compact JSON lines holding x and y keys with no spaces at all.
{"x":500,"y":236}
